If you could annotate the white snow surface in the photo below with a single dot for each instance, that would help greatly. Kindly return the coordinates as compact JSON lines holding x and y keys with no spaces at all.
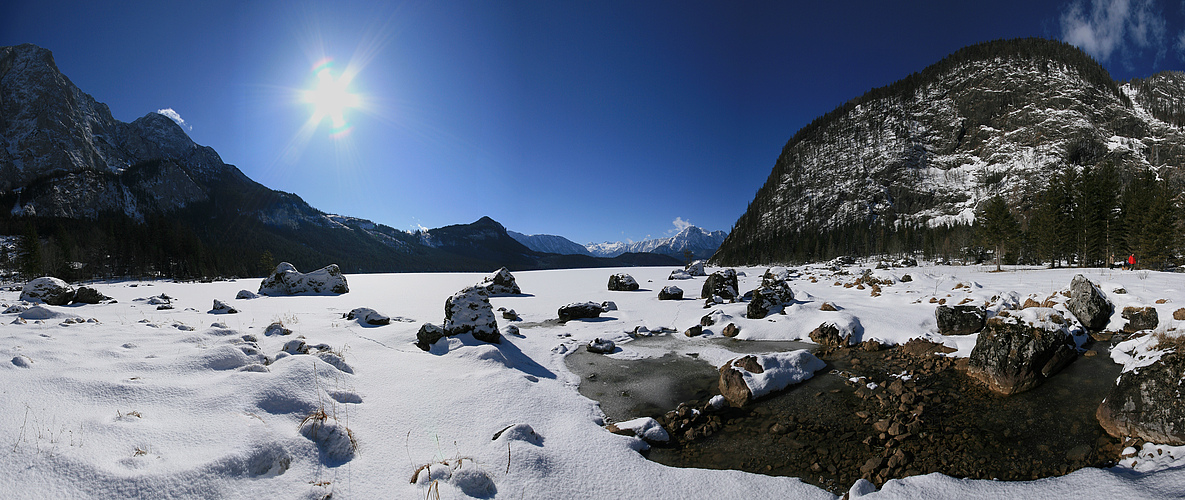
{"x":148,"y":403}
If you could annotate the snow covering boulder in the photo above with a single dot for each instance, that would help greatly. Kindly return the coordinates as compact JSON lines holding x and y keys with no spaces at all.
{"x":246,"y":294}
{"x":646,"y":428}
{"x":830,"y":334}
{"x":469,"y":311}
{"x":580,"y":310}
{"x":88,"y":295}
{"x":600,"y":346}
{"x":286,"y":280}
{"x":696,"y":268}
{"x":1088,"y":304}
{"x":16,"y":308}
{"x":608,"y":305}
{"x":368,"y":317}
{"x":679,"y":274}
{"x":750,"y":377}
{"x":1147,"y":403}
{"x":670,"y":293}
{"x":49,"y":290}
{"x":1016,"y":351}
{"x":221,"y":307}
{"x":622,"y":282}
{"x":772,"y":296}
{"x":334,"y":440}
{"x":775,"y":275}
{"x":39,"y":312}
{"x":721,"y":284}
{"x":275,"y":328}
{"x":22,"y":361}
{"x":501,"y":282}
{"x":1140,"y":318}
{"x":960,"y":320}
{"x":428,"y":335}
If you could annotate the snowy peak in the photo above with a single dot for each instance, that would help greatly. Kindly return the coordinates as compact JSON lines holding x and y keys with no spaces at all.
{"x":548,"y":243}
{"x":701,"y":243}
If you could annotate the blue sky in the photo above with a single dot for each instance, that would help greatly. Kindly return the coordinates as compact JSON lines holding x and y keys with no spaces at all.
{"x":592,"y":120}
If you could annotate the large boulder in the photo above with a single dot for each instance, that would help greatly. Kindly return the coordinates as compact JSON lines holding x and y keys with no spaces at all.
{"x":1140,"y":318}
{"x":1088,"y":304}
{"x":721,"y":284}
{"x":670,"y":293}
{"x":679,"y":274}
{"x":580,"y":310}
{"x":774,"y":275}
{"x":696,"y":268}
{"x":88,"y":295}
{"x":49,"y":290}
{"x":622,"y":282}
{"x":501,"y":282}
{"x":830,"y":334}
{"x":286,"y":280}
{"x":960,"y":320}
{"x":1146,"y":403}
{"x":469,"y":311}
{"x":771,"y":297}
{"x":750,"y":377}
{"x":428,"y":335}
{"x":1016,"y":352}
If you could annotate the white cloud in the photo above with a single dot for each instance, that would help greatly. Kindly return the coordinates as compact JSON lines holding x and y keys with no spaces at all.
{"x":1106,"y":27}
{"x":1181,"y":45}
{"x":680,"y":224}
{"x":175,"y":116}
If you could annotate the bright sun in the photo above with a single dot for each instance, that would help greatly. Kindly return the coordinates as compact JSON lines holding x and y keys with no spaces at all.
{"x":330,"y":98}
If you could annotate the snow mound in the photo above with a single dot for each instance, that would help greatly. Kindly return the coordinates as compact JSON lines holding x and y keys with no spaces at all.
{"x":460,"y":473}
{"x":335,"y":441}
{"x":40,"y":312}
{"x":646,"y":428}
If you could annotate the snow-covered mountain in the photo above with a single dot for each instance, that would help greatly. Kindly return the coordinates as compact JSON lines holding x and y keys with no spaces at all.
{"x":550,"y":243}
{"x":700,"y":242}
{"x":994,"y":118}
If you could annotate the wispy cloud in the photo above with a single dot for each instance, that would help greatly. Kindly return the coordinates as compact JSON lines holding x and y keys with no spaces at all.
{"x":175,"y":116}
{"x":680,"y":225}
{"x":1104,"y":28}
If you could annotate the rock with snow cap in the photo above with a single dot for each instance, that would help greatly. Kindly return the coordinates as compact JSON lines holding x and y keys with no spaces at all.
{"x":501,"y":282}
{"x":469,"y":311}
{"x":1146,"y":402}
{"x":959,"y":320}
{"x":721,"y":284}
{"x":49,"y":290}
{"x":1016,"y":352}
{"x":771,"y":297}
{"x":286,"y":280}
{"x":88,"y":295}
{"x":670,"y":293}
{"x":622,"y":282}
{"x":580,"y":310}
{"x":368,"y":316}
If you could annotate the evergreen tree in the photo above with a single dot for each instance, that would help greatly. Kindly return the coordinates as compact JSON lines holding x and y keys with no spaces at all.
{"x":996,"y":226}
{"x":30,"y":252}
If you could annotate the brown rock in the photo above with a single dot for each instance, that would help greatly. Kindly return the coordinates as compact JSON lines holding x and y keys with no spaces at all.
{"x":732,"y":383}
{"x":694,"y":331}
{"x":827,"y":306}
{"x":706,"y":320}
{"x":731,"y":330}
{"x":1029,"y":302}
{"x":1179,"y":314}
{"x":828,"y":335}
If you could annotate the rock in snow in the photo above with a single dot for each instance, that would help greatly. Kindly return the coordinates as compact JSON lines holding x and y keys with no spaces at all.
{"x":959,"y":320}
{"x":670,"y":293}
{"x":622,"y":282}
{"x":221,"y":307}
{"x":469,"y":311}
{"x":501,"y":282}
{"x":88,"y":295}
{"x":246,"y":294}
{"x":367,"y":316}
{"x":721,"y":284}
{"x":1147,"y":403}
{"x":771,"y":297}
{"x":600,"y":346}
{"x":580,"y":310}
{"x":750,"y":377}
{"x":49,"y":290}
{"x":286,"y":280}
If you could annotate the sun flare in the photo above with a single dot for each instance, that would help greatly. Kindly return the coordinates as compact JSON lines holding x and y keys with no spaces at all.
{"x":331,"y":97}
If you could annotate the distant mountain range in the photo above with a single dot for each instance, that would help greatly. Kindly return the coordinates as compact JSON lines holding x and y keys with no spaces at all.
{"x":701,"y":243}
{"x":106,"y":198}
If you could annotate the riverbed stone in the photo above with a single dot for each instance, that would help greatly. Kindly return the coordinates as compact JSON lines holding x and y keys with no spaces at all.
{"x":1140,"y":318}
{"x":732,"y":382}
{"x":1012,"y":355}
{"x":1088,"y":304}
{"x":959,"y":320}
{"x":1146,"y":403}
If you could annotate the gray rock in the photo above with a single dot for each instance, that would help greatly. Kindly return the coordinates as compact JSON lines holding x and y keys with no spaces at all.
{"x":276,"y":328}
{"x":88,"y":295}
{"x":428,"y":335}
{"x":601,"y":346}
{"x":580,"y":310}
{"x":721,"y":284}
{"x":960,"y":320}
{"x":679,"y":275}
{"x":622,"y":282}
{"x":696,"y":268}
{"x":368,"y":316}
{"x":49,"y":290}
{"x":221,"y":307}
{"x":469,"y":311}
{"x":286,"y":280}
{"x":246,"y":294}
{"x":1140,"y":318}
{"x":501,"y":282}
{"x":771,"y":297}
{"x":1088,"y":304}
{"x":1012,"y":356}
{"x":1146,"y":403}
{"x":670,"y":293}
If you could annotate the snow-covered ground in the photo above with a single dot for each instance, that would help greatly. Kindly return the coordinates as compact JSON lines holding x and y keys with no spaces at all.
{"x":149,"y":403}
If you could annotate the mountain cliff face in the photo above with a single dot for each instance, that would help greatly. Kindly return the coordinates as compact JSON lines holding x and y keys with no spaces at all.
{"x":549,"y":243}
{"x":995,"y":118}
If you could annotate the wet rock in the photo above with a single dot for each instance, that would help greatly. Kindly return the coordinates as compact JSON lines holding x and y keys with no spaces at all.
{"x":959,"y":320}
{"x":1088,"y":304}
{"x":731,"y":330}
{"x":49,"y":290}
{"x":769,"y":298}
{"x":469,"y":311}
{"x":580,"y":310}
{"x":732,"y":382}
{"x":1013,"y":355}
{"x":501,"y":283}
{"x":1146,"y":403}
{"x":1140,"y":318}
{"x":830,"y":335}
{"x":721,"y":284}
{"x":670,"y":293}
{"x":622,"y":282}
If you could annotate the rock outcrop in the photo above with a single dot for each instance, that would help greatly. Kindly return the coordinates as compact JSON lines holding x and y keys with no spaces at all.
{"x":1015,"y":353}
{"x":286,"y":280}
{"x":1147,"y":403}
{"x":49,"y":290}
{"x":1088,"y":304}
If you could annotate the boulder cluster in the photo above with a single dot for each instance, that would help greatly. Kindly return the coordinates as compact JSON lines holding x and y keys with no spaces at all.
{"x":55,"y":292}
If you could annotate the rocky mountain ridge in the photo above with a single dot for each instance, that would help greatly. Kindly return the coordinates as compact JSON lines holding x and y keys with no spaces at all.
{"x":701,"y":242}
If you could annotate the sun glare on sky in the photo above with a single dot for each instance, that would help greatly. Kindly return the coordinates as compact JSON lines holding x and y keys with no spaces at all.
{"x":330,"y":98}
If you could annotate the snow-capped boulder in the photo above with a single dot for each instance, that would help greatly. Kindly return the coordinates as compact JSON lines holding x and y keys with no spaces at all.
{"x":501,"y":282}
{"x":580,"y":310}
{"x":721,"y":284}
{"x":696,"y":268}
{"x":428,"y":335}
{"x":608,"y":305}
{"x":286,"y":280}
{"x":750,"y":377}
{"x":49,"y":290}
{"x":1140,"y":318}
{"x":1146,"y":402}
{"x":646,"y":428}
{"x":960,"y":320}
{"x":670,"y":293}
{"x":88,"y":295}
{"x":1017,"y":350}
{"x":1088,"y":304}
{"x":275,"y":328}
{"x":730,"y":330}
{"x":622,"y":282}
{"x":830,"y":334}
{"x":246,"y":294}
{"x":368,"y":317}
{"x":600,"y":346}
{"x":39,"y":312}
{"x":679,"y":274}
{"x":771,"y":297}
{"x":774,"y":275}
{"x":469,"y":311}
{"x":221,"y":307}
